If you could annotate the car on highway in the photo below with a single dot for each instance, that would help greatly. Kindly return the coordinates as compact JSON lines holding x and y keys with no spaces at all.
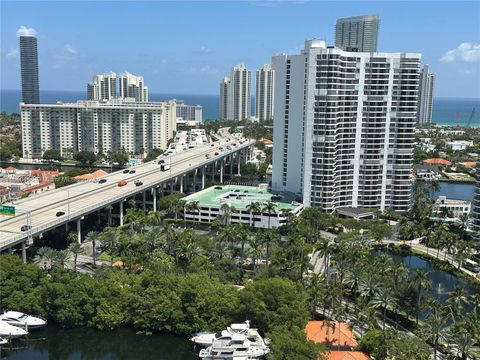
{"x":132,"y":172}
{"x":122,"y":183}
{"x":138,"y":183}
{"x":212,"y":145}
{"x":126,"y":171}
{"x":25,"y":227}
{"x":216,"y":153}
{"x":207,"y":156}
{"x":102,"y":181}
{"x":60,"y":213}
{"x":161,"y":162}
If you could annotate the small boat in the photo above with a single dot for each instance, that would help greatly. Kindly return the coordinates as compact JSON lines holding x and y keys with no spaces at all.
{"x":22,"y":320}
{"x":3,"y":341}
{"x":9,"y":331}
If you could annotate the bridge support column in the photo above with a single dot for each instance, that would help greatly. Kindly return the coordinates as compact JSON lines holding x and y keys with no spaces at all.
{"x":154,"y":194}
{"x":171,"y":186}
{"x":121,"y":213}
{"x":98,"y":217}
{"x":24,"y":252}
{"x":231,"y":166}
{"x":222,"y":164}
{"x":195,"y":173}
{"x":203,"y":177}
{"x":79,"y":231}
{"x":144,"y":201}
{"x":181,"y":183}
{"x":239,"y":162}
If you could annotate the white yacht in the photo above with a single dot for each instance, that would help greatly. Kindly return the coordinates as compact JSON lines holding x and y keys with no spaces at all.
{"x":20,"y":319}
{"x":9,"y":331}
{"x":206,"y":339}
{"x":234,"y":348}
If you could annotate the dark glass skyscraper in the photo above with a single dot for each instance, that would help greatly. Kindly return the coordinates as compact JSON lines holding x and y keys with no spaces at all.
{"x":29,"y":69}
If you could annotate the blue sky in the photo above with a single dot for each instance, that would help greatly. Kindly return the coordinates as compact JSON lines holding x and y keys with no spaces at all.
{"x":186,"y":47}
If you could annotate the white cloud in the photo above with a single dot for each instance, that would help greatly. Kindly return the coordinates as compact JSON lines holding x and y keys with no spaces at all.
{"x":69,"y":49}
{"x":466,"y":51}
{"x":12,"y":53}
{"x":24,"y":31}
{"x":205,"y":50}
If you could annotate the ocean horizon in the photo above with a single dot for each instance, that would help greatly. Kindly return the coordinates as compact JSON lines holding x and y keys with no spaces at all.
{"x":444,"y":109}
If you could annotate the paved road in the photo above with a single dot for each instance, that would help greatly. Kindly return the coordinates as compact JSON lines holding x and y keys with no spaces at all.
{"x":82,"y":198}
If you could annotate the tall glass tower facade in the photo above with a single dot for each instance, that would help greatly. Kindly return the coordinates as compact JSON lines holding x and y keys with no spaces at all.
{"x":29,"y":69}
{"x":357,"y":33}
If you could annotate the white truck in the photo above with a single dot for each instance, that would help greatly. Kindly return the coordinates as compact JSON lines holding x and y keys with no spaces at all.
{"x":164,"y":167}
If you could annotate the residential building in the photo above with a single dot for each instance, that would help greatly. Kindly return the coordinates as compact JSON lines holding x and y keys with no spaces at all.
{"x":102,"y":87}
{"x":29,"y":69}
{"x":264,"y":93}
{"x":98,"y":126}
{"x":132,"y":86}
{"x":425,"y":96}
{"x":451,"y":208}
{"x":235,"y":94}
{"x":188,"y":112}
{"x":344,"y":125}
{"x":224,"y":86}
{"x":475,"y":208}
{"x":459,"y":145}
{"x":357,"y":33}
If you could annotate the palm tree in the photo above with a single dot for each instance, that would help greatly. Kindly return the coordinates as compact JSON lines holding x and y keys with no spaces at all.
{"x":435,"y":326}
{"x":383,"y":299}
{"x":60,"y":257}
{"x":255,"y":249}
{"x":457,"y":301}
{"x":422,"y":282}
{"x":254,"y":208}
{"x":194,"y":206}
{"x":316,"y":287}
{"x":464,"y":222}
{"x":75,"y":249}
{"x":269,"y":208}
{"x":227,"y":211}
{"x":464,"y":343}
{"x":109,"y":240}
{"x":92,"y":236}
{"x":45,"y":256}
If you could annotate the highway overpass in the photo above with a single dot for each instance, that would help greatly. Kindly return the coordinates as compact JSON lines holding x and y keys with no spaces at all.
{"x":199,"y":165}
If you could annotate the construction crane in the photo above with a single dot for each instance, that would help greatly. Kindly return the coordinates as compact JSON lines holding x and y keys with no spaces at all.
{"x":470,"y":118}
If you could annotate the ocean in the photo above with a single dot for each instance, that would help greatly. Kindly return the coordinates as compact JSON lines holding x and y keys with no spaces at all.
{"x":444,"y":109}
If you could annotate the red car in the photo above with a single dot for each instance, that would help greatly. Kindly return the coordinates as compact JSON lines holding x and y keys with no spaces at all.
{"x":122,"y":183}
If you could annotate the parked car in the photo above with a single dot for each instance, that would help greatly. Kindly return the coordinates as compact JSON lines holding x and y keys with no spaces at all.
{"x":122,"y":183}
{"x":60,"y":213}
{"x":102,"y":181}
{"x":25,"y":227}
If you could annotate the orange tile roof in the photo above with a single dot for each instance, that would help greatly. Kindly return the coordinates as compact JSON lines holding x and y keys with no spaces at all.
{"x":437,"y":161}
{"x":333,"y":334}
{"x":347,"y":355}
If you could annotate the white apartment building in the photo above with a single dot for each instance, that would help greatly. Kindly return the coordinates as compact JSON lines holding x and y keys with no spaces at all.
{"x":456,"y":207}
{"x":264,"y":93}
{"x":459,"y":145}
{"x":102,"y":87}
{"x":132,"y":86}
{"x":344,"y":125}
{"x":235,"y":94}
{"x":188,"y":112}
{"x":114,"y":125}
{"x":425,"y":96}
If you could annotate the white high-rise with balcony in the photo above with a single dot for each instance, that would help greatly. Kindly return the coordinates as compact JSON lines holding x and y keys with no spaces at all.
{"x":235,"y":94}
{"x":344,"y":126}
{"x":102,"y":87}
{"x":425,"y":96}
{"x":132,"y":86}
{"x":264,"y":93}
